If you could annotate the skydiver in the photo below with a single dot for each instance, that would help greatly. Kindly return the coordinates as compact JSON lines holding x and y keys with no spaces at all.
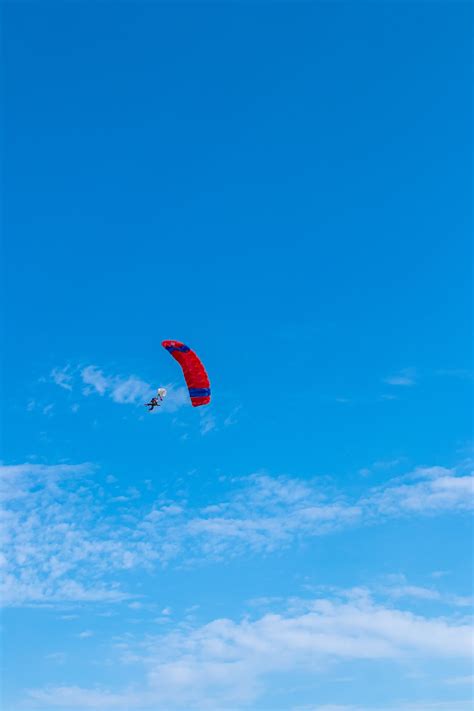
{"x":153,"y":403}
{"x":154,"y":400}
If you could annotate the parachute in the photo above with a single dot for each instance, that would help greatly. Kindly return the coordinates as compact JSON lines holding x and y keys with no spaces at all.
{"x":194,"y":372}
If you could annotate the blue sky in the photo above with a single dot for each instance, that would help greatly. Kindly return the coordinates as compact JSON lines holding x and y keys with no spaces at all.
{"x":286,"y":188}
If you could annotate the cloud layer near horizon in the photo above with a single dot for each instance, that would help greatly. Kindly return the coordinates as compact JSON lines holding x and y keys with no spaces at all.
{"x":227,"y":663}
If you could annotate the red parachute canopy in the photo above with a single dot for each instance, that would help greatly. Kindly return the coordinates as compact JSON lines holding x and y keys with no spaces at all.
{"x":194,"y":373}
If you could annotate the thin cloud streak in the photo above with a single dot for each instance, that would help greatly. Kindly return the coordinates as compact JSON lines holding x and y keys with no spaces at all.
{"x":404,"y":378}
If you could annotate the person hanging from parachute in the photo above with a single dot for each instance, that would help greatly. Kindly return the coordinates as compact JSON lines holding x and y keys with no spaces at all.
{"x":152,"y":404}
{"x":161,"y":392}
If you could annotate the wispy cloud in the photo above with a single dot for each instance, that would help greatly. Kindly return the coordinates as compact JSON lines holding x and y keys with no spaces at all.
{"x":130,"y":390}
{"x":381,"y":465}
{"x":120,"y":389}
{"x":231,"y":418}
{"x":404,"y":377}
{"x":397,"y":587}
{"x":399,"y":380}
{"x":63,"y":377}
{"x":229,"y":663}
{"x":52,"y":540}
{"x":65,"y":538}
{"x":85,"y":634}
{"x":94,"y":377}
{"x":208,"y":422}
{"x":264,"y":513}
{"x":432,"y":490}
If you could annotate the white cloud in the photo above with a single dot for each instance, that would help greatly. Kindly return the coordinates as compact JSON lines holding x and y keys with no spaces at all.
{"x":62,"y":377}
{"x":231,"y":418}
{"x":130,"y":390}
{"x":208,"y":422}
{"x":399,"y":380}
{"x":265,"y":512}
{"x":95,"y":379}
{"x":86,"y":634}
{"x":228,"y":664}
{"x":15,"y":478}
{"x":56,"y":546}
{"x":414,"y":591}
{"x":176,"y":398}
{"x":404,"y":378}
{"x":120,"y":389}
{"x":434,"y":489}
{"x":397,"y":587}
{"x":64,"y":538}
